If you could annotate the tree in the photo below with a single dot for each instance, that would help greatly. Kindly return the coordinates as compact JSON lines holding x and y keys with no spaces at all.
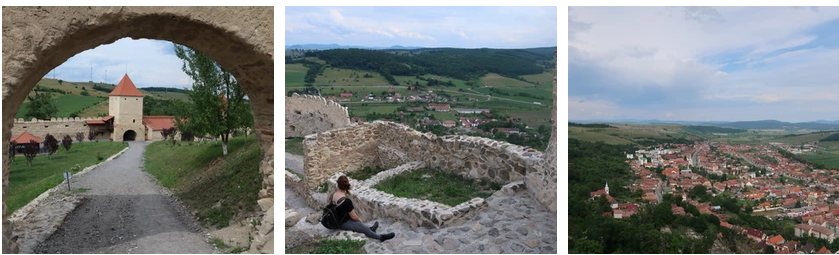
{"x":50,"y":145}
{"x":41,"y":106}
{"x":67,"y":142}
{"x":84,"y":93}
{"x":91,"y":135}
{"x":60,"y":82}
{"x":219,"y":105}
{"x":797,"y":204}
{"x":79,"y":136}
{"x":30,"y":150}
{"x":586,"y":246}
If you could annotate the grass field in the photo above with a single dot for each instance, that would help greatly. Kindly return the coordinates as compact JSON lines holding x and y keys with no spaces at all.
{"x":383,"y":108}
{"x":833,"y":145}
{"x":829,"y":158}
{"x":498,"y":81}
{"x":533,"y":119}
{"x":544,"y":79}
{"x":326,"y":246}
{"x":201,"y":177}
{"x":513,"y":94}
{"x":346,"y":77}
{"x":294,"y":75}
{"x":585,"y":135}
{"x":28,"y":182}
{"x":95,"y":111}
{"x":802,"y":138}
{"x":294,"y":146}
{"x":66,"y":104}
{"x":445,"y":188}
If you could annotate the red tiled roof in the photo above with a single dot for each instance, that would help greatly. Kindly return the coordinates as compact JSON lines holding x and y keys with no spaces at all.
{"x":824,"y":250}
{"x":26,"y":137}
{"x":159,"y":122}
{"x":126,"y":88}
{"x":776,"y":239}
{"x":95,"y":122}
{"x":107,"y":118}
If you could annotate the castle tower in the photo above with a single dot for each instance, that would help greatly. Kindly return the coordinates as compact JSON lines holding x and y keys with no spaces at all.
{"x":126,"y":105}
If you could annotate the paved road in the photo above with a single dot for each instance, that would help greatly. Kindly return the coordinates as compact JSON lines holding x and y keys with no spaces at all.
{"x":126,"y":212}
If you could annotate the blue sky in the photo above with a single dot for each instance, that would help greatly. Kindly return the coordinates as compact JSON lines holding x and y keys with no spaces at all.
{"x":463,"y":27}
{"x":151,"y":63}
{"x":703,"y":63}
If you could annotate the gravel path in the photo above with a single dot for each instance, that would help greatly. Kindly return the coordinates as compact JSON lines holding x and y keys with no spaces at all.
{"x":126,"y":211}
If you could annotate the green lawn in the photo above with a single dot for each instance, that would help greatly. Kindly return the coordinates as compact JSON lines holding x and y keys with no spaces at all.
{"x":201,"y":177}
{"x":446,"y":188}
{"x":294,"y":146}
{"x":28,"y":182}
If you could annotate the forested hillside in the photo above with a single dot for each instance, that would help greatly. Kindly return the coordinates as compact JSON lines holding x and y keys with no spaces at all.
{"x":464,"y":64}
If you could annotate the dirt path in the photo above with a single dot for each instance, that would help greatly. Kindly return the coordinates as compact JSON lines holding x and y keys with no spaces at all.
{"x":126,"y":212}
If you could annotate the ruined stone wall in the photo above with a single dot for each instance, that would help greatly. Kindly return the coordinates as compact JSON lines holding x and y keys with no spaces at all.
{"x":340,"y":150}
{"x":308,"y":114}
{"x":475,"y":157}
{"x":417,"y":212}
{"x":542,"y":180}
{"x":387,"y":145}
{"x":57,"y":127}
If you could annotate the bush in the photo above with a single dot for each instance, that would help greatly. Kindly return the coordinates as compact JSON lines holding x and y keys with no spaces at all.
{"x":85,"y":93}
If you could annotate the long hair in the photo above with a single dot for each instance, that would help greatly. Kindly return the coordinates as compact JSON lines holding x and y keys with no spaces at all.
{"x":344,"y":183}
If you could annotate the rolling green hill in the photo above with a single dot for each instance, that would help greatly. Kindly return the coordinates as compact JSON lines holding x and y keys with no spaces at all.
{"x":95,"y":103}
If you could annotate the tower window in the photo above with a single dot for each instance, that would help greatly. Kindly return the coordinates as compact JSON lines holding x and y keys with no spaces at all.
{"x":66,"y":125}
{"x":134,"y":121}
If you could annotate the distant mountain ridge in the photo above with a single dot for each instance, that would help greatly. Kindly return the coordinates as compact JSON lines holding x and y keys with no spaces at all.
{"x":337,"y":46}
{"x":759,"y":124}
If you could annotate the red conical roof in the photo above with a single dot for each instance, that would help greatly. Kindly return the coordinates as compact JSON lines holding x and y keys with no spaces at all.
{"x":126,"y":88}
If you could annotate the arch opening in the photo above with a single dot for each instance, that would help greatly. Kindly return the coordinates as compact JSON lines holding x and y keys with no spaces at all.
{"x":129,"y":135}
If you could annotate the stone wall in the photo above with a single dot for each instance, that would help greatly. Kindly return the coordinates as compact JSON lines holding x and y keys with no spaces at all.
{"x":340,"y":150}
{"x":387,"y":145}
{"x":542,"y":180}
{"x":57,"y":127}
{"x":308,"y":114}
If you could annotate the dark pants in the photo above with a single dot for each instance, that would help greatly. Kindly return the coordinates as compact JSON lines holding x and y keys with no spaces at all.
{"x":360,"y":227}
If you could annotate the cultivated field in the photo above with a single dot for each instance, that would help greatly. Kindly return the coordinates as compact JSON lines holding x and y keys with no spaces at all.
{"x":803,"y":138}
{"x":66,"y":104}
{"x":498,"y":81}
{"x":544,"y":79}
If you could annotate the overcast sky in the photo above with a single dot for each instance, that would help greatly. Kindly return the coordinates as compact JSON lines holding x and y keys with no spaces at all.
{"x":703,"y":63}
{"x":463,"y":27}
{"x":151,"y":63}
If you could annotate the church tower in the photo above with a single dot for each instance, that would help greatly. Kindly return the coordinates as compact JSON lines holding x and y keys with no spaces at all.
{"x":607,"y":188}
{"x":126,"y":105}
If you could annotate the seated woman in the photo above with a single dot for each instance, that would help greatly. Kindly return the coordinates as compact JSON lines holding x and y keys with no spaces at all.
{"x":351,"y":221}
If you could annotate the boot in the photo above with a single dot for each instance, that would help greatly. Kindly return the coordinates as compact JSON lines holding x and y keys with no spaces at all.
{"x":375,"y":226}
{"x":387,"y":236}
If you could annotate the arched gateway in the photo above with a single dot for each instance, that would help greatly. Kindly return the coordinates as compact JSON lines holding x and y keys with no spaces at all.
{"x":240,"y":39}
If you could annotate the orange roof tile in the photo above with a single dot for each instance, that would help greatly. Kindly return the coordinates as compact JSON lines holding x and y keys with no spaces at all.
{"x":159,"y":122}
{"x":776,"y":239}
{"x":126,"y":88}
{"x":26,"y":137}
{"x":95,"y":122}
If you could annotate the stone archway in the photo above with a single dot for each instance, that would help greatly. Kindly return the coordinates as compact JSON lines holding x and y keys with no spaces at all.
{"x":240,"y":39}
{"x":129,"y":135}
